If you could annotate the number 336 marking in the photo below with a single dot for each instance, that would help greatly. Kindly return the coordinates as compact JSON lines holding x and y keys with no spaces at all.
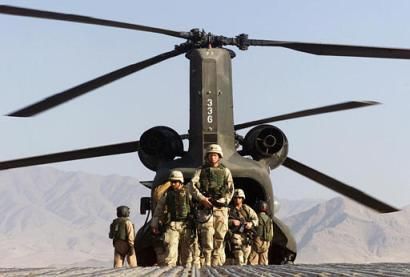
{"x":210,"y":117}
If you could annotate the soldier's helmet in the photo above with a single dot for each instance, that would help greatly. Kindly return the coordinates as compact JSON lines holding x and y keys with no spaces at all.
{"x":214,"y":148}
{"x":176,"y":175}
{"x":262,"y":207}
{"x":123,"y":211}
{"x":239,"y":193}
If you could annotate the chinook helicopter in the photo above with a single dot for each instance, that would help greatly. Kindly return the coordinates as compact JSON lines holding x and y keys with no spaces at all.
{"x":250,"y":158}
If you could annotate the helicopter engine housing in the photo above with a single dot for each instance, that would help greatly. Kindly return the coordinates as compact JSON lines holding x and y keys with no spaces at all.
{"x":266,"y":142}
{"x":158,"y":145}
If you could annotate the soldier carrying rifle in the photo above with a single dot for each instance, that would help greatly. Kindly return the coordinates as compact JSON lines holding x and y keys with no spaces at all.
{"x":212,"y":186}
{"x":242,"y":223}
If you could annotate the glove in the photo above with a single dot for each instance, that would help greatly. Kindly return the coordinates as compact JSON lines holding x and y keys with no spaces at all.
{"x":131,"y":251}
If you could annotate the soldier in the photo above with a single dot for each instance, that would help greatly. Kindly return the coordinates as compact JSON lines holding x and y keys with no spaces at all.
{"x":122,"y":232}
{"x":176,"y":202}
{"x":212,"y":186}
{"x":264,"y":235}
{"x":242,"y":221}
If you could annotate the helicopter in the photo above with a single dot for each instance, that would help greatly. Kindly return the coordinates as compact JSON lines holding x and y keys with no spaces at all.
{"x":250,"y":158}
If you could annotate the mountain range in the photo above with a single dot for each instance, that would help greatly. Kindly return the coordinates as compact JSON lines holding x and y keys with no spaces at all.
{"x":340,"y":230}
{"x":55,"y":217}
{"x":50,"y":217}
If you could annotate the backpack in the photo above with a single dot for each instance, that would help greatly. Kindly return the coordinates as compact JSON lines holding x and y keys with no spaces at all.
{"x":265,"y":227}
{"x":118,"y":229}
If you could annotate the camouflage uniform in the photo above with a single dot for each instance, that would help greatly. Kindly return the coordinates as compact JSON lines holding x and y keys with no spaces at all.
{"x":217,"y":183}
{"x":261,"y":243}
{"x":194,"y":253}
{"x":240,"y":244}
{"x":122,"y":232}
{"x":177,"y":234}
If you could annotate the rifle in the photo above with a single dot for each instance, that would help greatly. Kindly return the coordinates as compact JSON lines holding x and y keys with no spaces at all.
{"x":192,"y":225}
{"x":241,"y":229}
{"x":217,"y":204}
{"x":213,"y":201}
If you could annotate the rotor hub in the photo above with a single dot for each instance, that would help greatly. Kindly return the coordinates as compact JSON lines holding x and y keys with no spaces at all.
{"x":197,"y":38}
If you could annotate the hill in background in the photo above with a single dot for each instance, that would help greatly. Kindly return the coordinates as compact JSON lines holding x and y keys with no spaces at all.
{"x":340,"y":230}
{"x":50,"y":217}
{"x":55,"y":217}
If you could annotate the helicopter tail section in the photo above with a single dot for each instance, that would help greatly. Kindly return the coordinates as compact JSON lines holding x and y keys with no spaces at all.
{"x":282,"y":249}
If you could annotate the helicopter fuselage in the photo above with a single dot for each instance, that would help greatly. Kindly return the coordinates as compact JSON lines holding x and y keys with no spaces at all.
{"x":211,"y":122}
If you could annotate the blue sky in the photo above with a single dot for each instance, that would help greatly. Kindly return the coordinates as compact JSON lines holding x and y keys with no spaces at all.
{"x":367,"y":148}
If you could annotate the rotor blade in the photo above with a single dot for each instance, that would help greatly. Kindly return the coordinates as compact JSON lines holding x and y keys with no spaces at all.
{"x":320,"y":110}
{"x":62,"y":97}
{"x":339,"y":187}
{"x":106,"y":150}
{"x":337,"y":49}
{"x":12,"y":10}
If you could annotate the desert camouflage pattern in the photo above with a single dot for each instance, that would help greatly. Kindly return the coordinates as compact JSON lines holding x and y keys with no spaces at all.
{"x":215,"y":222}
{"x":259,"y":252}
{"x":240,"y":248}
{"x":178,"y":244}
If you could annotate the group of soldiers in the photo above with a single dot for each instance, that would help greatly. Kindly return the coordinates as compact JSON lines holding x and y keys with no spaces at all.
{"x":193,"y":224}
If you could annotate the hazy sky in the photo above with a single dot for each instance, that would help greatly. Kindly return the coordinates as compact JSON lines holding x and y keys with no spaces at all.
{"x":367,"y":148}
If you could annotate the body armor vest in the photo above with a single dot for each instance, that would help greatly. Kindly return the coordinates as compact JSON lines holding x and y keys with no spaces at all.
{"x":118,"y":229}
{"x":213,"y":182}
{"x":264,"y":229}
{"x":241,"y":214}
{"x":178,"y":204}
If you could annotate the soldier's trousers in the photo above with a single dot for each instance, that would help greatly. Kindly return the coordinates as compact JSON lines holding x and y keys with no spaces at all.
{"x":212,"y":234}
{"x":178,"y":236}
{"x":121,"y":250}
{"x":259,"y":252}
{"x":240,"y":249}
{"x":193,"y":259}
